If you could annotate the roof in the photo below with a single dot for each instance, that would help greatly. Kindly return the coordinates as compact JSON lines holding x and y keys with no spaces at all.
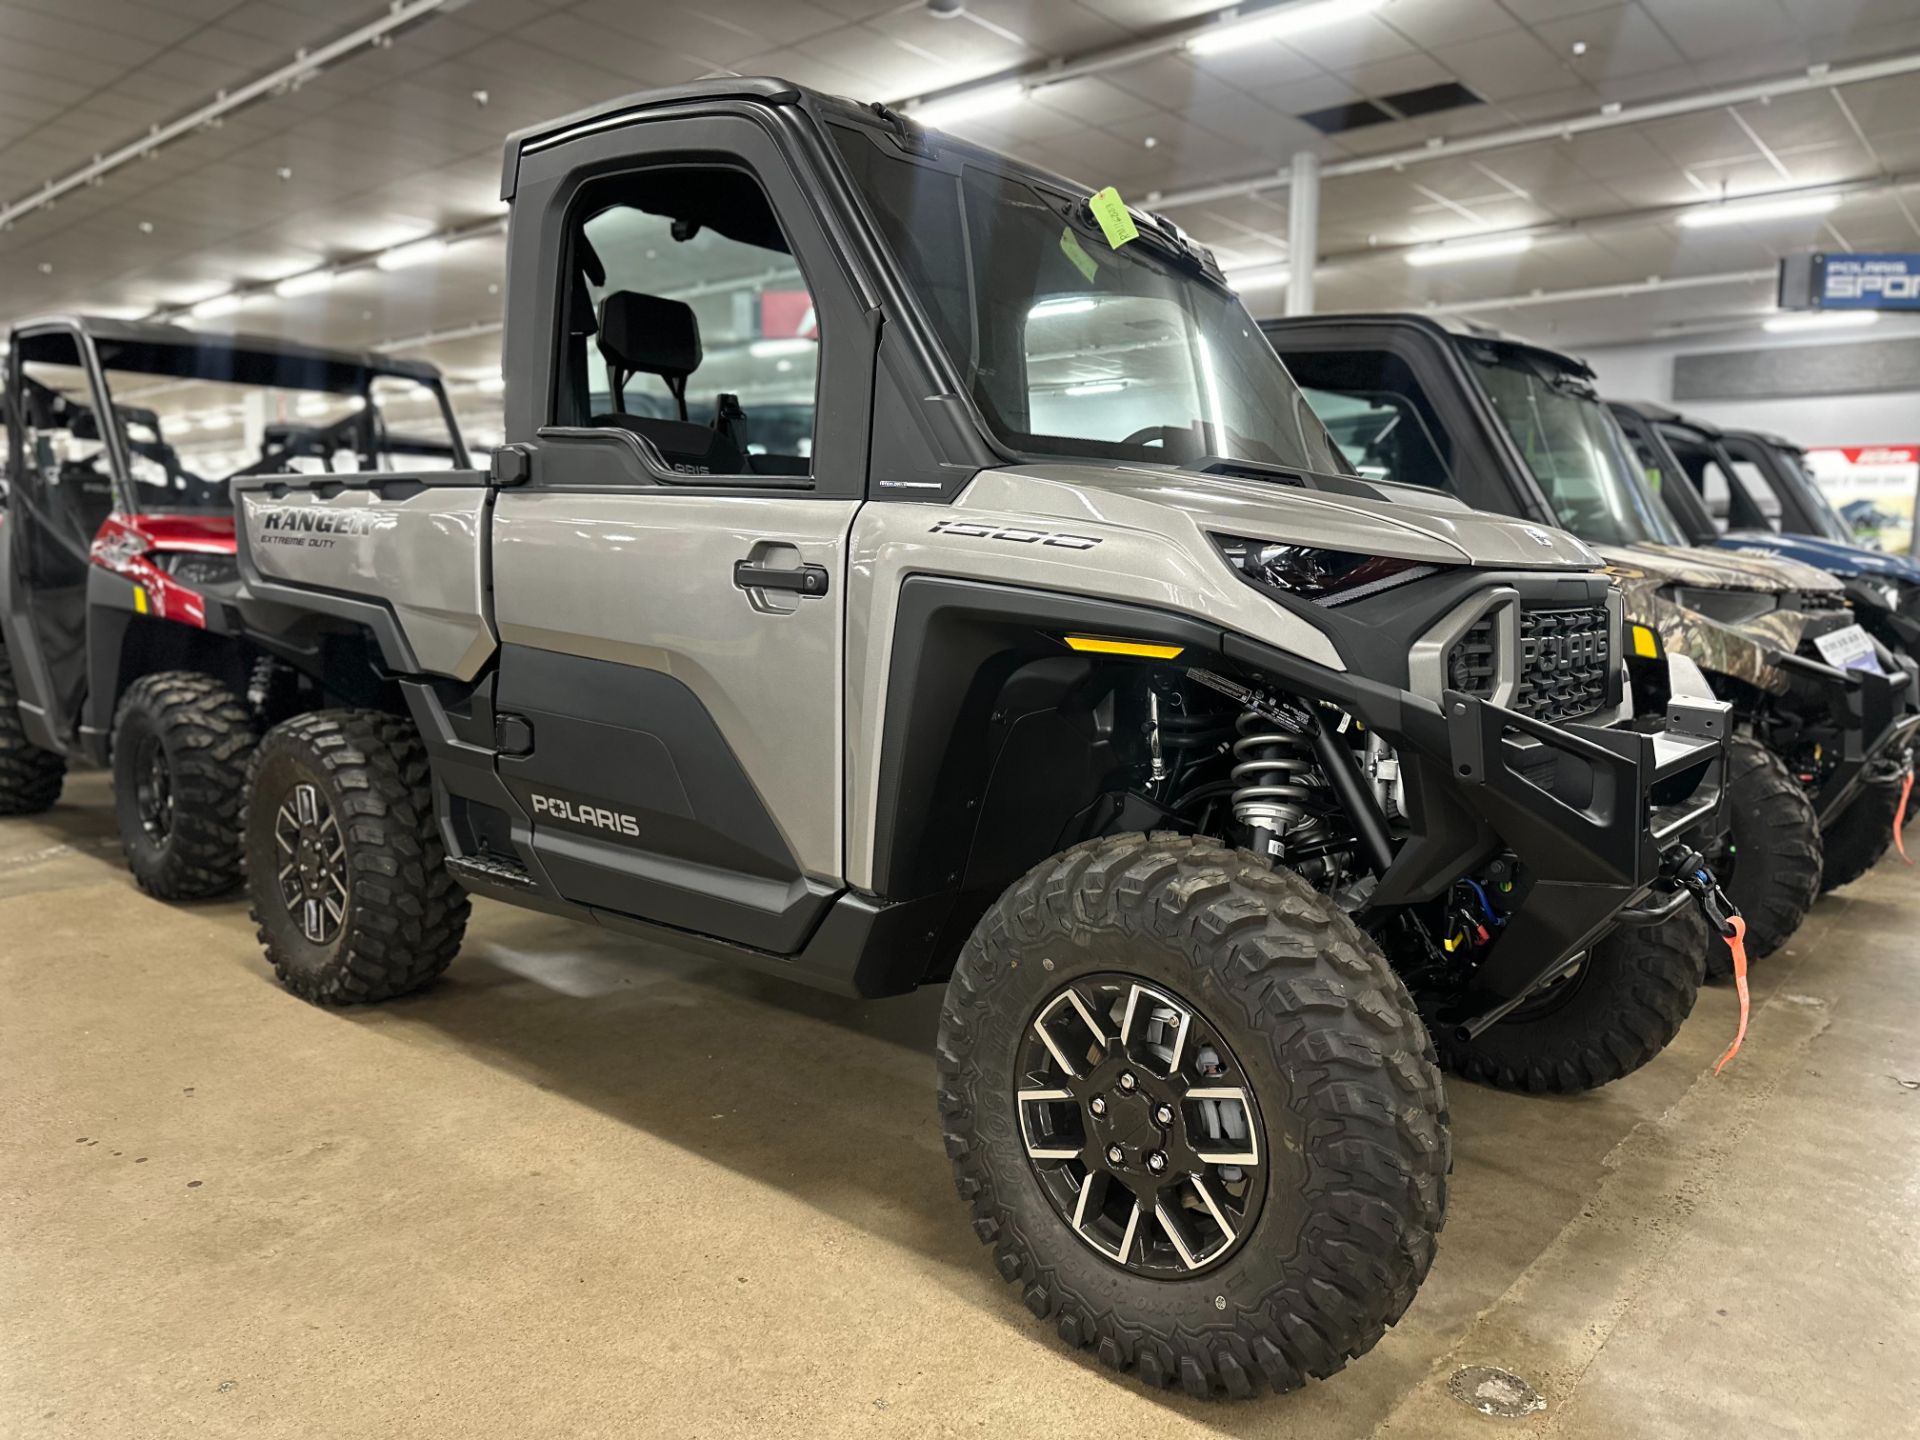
{"x":1442,"y":326}
{"x":148,"y":332}
{"x":719,"y":87}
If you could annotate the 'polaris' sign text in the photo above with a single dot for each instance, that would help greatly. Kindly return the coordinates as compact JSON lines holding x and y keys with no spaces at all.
{"x":1883,"y":281}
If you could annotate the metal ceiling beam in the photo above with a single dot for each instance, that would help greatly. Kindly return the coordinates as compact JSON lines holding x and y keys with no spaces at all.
{"x":1608,"y":117}
{"x":297,"y":71}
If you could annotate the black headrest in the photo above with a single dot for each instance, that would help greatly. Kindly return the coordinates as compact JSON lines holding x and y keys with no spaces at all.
{"x":649,"y":334}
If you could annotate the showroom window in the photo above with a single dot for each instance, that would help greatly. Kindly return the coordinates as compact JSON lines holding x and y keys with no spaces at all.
{"x":689,"y":324}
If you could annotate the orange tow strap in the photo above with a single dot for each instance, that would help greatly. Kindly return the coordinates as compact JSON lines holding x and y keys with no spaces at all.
{"x":1737,"y":943}
{"x":1900,"y":818}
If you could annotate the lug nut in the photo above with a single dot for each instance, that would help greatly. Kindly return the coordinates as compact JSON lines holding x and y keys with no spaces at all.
{"x":1163,"y":1115}
{"x":1127,"y":1082}
{"x":1097,"y":1105}
{"x":1157,"y":1161}
{"x":1115,"y":1155}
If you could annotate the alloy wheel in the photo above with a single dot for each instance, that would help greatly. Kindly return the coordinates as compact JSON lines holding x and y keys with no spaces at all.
{"x":1140,"y":1126}
{"x":313,"y":863}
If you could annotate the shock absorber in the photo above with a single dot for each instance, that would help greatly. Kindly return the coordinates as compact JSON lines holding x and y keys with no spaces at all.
{"x":1272,"y":774}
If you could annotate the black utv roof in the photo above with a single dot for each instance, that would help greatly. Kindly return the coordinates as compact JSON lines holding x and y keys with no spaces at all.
{"x":719,"y":87}
{"x":1440,"y":327}
{"x":257,"y":358}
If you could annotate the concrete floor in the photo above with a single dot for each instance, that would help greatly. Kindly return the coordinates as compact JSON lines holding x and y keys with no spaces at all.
{"x":579,"y":1189}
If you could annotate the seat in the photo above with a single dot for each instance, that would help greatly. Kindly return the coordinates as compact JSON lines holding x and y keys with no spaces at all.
{"x":652,"y":335}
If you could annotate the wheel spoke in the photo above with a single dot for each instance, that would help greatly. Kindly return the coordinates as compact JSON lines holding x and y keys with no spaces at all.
{"x":1172,"y":1232}
{"x":1201,"y":1188}
{"x":1248,"y":1151}
{"x":1126,"y":1236}
{"x":1086,"y":1016}
{"x":1039,"y":1150}
{"x":306,"y":804}
{"x":313,"y":921}
{"x":1053,"y":1048}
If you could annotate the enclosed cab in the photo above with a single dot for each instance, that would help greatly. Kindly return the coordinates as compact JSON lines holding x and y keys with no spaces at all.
{"x":1519,"y":428}
{"x":1757,"y":495}
{"x":117,"y":569}
{"x":908,"y":566}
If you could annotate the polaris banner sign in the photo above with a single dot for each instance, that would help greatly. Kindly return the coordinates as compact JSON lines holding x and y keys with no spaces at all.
{"x":1884,"y":280}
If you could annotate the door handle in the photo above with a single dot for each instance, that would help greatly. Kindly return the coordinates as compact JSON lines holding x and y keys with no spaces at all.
{"x":800,"y":580}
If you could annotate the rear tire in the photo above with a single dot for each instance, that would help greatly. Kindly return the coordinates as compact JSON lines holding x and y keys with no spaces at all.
{"x":1861,"y":837}
{"x":1352,"y":1166}
{"x":345,"y":867}
{"x":1618,"y":1011}
{"x":1773,"y":870}
{"x":30,"y":778}
{"x":181,"y":745}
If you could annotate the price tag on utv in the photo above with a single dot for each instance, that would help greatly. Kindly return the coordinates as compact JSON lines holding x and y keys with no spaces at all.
{"x":1849,"y":649}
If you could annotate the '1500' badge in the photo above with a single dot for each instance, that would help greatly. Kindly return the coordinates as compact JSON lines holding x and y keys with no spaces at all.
{"x":1015,"y":534}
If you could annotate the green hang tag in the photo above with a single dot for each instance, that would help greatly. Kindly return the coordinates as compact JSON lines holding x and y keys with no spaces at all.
{"x":1111,"y":211}
{"x":1078,"y":257}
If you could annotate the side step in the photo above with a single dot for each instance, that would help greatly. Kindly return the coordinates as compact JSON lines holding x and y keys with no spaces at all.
{"x":486,"y":869}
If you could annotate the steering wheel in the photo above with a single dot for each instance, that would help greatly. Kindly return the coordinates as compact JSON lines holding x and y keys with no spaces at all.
{"x":1148,"y":434}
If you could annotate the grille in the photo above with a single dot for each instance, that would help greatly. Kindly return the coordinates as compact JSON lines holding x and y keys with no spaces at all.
{"x":1565,"y":658}
{"x":1473,"y":664}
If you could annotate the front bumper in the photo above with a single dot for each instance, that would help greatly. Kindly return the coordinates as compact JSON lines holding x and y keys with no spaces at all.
{"x":1589,"y":811}
{"x":1873,"y":718}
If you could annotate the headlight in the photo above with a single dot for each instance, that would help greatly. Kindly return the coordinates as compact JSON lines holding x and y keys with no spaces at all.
{"x":1326,"y":577}
{"x":191,"y":567}
{"x":1729,"y":607}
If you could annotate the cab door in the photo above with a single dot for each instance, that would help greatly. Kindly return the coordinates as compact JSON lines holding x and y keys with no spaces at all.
{"x":61,"y":489}
{"x":669,"y":583}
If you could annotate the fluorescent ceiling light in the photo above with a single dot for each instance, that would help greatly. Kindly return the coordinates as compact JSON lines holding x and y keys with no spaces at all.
{"x":1258,"y":277}
{"x":1822,"y":320}
{"x":1455,"y":251}
{"x":791,"y":345}
{"x":216,"y":305}
{"x":491,"y":384}
{"x":419,"y":252}
{"x":219,"y":420}
{"x":968,"y":105}
{"x":1745,"y":212}
{"x":310,"y":283}
{"x":1047,"y":309}
{"x":312,"y":405}
{"x":1278,"y":22}
{"x":1097,"y":387}
{"x":180,"y":425}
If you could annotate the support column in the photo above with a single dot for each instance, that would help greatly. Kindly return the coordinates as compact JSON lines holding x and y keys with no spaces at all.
{"x":1303,"y":232}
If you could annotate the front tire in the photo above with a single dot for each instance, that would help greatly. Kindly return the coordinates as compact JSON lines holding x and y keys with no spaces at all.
{"x":345,"y":867}
{"x":181,"y":745}
{"x":1861,"y":837}
{"x":1282,"y":1265}
{"x":30,"y":778}
{"x":1622,"y":1007}
{"x":1772,"y":872}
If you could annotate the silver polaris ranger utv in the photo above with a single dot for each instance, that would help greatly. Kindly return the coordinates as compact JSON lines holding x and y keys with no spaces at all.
{"x":893,"y":579}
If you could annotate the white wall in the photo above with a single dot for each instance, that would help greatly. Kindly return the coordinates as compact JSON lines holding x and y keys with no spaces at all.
{"x":1645,"y":372}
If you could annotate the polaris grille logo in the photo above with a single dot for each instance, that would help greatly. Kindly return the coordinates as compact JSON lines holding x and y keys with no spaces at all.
{"x":618,"y":822}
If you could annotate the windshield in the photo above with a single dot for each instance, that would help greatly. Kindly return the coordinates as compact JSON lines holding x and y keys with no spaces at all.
{"x":195,"y":414}
{"x":1575,"y":449}
{"x":1070,"y":346}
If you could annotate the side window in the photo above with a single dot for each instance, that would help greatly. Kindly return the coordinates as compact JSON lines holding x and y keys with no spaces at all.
{"x":689,"y":324}
{"x":1378,"y":414}
{"x":1757,"y":492}
{"x":65,"y":470}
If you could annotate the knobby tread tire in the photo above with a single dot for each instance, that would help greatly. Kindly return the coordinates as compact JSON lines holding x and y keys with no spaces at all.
{"x":208,"y":737}
{"x":1860,"y":838}
{"x":1636,"y":989}
{"x":30,"y":778}
{"x":1307,"y":1001}
{"x":405,"y":915}
{"x":1777,"y":860}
